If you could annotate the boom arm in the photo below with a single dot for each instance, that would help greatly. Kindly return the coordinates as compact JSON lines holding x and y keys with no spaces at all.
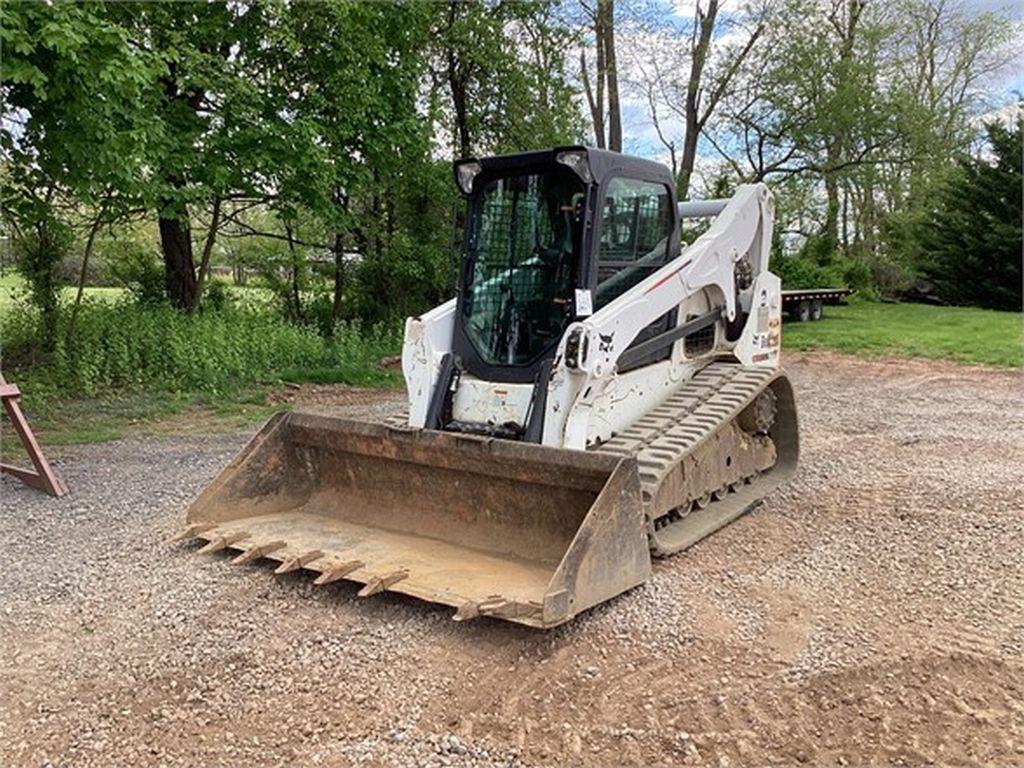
{"x":591,"y":348}
{"x":742,"y":229}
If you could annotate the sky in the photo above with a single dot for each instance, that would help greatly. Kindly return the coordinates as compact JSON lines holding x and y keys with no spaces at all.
{"x":638,"y":52}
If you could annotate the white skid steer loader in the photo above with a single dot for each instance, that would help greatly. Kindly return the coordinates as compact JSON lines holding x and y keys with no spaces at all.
{"x":597,"y":392}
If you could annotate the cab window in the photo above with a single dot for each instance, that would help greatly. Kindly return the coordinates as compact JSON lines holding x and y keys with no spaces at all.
{"x":636,"y":225}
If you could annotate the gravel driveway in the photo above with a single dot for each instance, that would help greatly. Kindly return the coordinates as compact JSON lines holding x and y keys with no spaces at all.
{"x":869,"y":613}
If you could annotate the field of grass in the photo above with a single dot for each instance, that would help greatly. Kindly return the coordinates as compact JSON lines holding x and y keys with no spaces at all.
{"x":12,"y":287}
{"x":135,"y":369}
{"x":961,"y":334}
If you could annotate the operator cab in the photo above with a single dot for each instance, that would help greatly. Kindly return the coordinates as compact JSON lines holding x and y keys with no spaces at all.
{"x":550,"y":237}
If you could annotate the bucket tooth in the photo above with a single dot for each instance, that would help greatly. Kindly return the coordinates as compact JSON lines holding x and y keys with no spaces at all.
{"x":380,"y":583}
{"x":223,"y":541}
{"x":338,"y":571}
{"x":299,"y":561}
{"x":190,"y":532}
{"x":466,"y":611}
{"x":503,"y":608}
{"x":493,"y":606}
{"x":257,"y":551}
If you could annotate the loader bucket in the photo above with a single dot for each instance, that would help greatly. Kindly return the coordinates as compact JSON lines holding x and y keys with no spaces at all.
{"x":491,"y":527}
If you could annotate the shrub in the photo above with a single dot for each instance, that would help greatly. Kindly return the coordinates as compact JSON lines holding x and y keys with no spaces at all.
{"x":138,"y":271}
{"x":798,"y":272}
{"x":128,"y":345}
{"x":38,"y":255}
{"x":96,"y":272}
{"x":216,"y":296}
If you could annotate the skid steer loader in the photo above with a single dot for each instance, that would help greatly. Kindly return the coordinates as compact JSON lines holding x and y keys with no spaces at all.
{"x":597,"y":392}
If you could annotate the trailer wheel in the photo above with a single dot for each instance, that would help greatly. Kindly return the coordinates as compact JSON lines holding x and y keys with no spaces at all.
{"x":816,"y":309}
{"x":800,"y":312}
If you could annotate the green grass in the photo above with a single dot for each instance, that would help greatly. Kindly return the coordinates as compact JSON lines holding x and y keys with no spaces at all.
{"x":961,"y":334}
{"x":132,"y":367}
{"x":78,"y":420}
{"x":12,"y":288}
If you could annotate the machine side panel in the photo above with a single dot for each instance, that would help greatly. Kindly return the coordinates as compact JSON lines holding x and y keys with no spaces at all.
{"x":427,"y":339}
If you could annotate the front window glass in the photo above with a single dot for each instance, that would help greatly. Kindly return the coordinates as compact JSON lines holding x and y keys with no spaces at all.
{"x":636,"y":224}
{"x":523,"y":242}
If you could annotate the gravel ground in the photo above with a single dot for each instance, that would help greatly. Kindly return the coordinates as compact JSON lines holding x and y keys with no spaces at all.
{"x":869,"y":613}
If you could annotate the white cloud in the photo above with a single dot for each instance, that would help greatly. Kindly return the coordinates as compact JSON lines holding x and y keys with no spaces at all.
{"x":687,"y":8}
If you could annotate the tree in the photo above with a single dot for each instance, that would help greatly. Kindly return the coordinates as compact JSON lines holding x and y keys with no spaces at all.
{"x":337,"y":55}
{"x":217,"y":127}
{"x":971,"y":243}
{"x":601,"y":20}
{"x":497,"y":77}
{"x":687,"y":72}
{"x":70,"y":131}
{"x":834,"y":106}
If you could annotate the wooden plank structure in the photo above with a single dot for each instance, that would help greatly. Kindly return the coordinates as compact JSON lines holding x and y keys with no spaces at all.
{"x":43,"y":477}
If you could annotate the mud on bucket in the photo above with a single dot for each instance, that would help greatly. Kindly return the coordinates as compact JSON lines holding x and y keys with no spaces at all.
{"x":492,"y":527}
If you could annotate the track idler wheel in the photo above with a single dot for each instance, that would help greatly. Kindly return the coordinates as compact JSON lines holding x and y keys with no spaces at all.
{"x":758,"y":417}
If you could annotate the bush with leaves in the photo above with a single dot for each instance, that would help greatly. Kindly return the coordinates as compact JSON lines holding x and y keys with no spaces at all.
{"x":138,"y":271}
{"x":38,"y":254}
{"x":130,"y":346}
{"x":798,"y":272}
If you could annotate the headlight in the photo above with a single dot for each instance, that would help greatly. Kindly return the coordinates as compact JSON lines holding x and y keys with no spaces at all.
{"x":465,"y":172}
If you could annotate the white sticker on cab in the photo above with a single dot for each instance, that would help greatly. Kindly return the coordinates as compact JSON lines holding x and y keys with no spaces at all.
{"x":584,"y":303}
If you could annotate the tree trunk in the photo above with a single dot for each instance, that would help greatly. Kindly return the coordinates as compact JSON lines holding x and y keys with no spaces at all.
{"x":607,"y":9}
{"x":689,"y":157}
{"x":296,"y":296}
{"x":211,"y":238}
{"x":341,"y":201}
{"x":457,"y":84}
{"x":338,"y":248}
{"x":89,"y":242}
{"x":703,"y":29}
{"x":596,"y":110}
{"x":844,"y":221}
{"x":175,"y":229}
{"x":179,"y":267}
{"x":832,"y":206}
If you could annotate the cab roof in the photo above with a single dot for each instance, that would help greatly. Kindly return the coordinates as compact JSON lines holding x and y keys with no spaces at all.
{"x":603,"y":164}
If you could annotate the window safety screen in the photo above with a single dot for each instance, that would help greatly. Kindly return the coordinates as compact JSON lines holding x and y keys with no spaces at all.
{"x":523,"y":245}
{"x":636,"y":223}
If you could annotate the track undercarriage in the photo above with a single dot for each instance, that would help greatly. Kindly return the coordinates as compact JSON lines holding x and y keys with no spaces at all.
{"x":712,"y":450}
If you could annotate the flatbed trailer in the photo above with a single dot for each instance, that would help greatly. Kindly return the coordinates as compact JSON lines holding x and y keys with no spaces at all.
{"x":806,"y":305}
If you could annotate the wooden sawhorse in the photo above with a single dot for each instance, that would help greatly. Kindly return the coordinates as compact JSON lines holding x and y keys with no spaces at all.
{"x":43,"y":478}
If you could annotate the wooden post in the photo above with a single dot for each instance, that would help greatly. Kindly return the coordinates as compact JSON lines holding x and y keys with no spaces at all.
{"x":43,"y":478}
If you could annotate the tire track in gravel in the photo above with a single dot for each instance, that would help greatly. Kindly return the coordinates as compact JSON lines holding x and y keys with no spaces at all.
{"x":868,"y":613}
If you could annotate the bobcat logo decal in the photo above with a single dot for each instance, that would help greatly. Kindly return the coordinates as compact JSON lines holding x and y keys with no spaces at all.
{"x":605,"y":344}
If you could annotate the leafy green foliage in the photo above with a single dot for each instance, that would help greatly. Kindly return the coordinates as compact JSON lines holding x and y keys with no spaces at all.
{"x":971,"y":242}
{"x":798,"y":272}
{"x":500,"y":79}
{"x":853,"y":112}
{"x":73,"y":80}
{"x":38,"y":254}
{"x":127,"y":346}
{"x":417,"y":269}
{"x":139,"y":272}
